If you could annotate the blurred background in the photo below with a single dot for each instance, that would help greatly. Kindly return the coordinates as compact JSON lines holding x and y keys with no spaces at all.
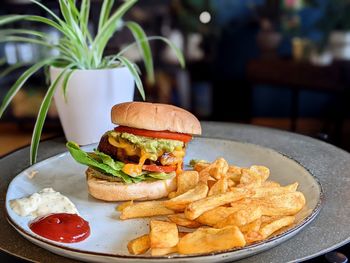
{"x":275,"y":63}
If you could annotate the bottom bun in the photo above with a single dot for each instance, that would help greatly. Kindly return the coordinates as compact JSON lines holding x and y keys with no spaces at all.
{"x":117,"y":191}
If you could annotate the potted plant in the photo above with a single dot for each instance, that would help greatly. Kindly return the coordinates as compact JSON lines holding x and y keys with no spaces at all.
{"x":84,"y":82}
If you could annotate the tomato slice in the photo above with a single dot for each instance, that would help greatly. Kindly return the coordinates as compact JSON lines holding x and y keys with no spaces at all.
{"x":155,"y":134}
{"x":158,"y":168}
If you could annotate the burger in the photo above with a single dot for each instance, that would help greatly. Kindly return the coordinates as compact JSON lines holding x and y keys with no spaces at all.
{"x":138,"y":159}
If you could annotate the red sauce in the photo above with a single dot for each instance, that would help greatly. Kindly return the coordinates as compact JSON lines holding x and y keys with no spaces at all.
{"x":61,"y":227}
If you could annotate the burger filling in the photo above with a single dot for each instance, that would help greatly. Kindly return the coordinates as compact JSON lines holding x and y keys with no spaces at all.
{"x":141,"y":153}
{"x":133,"y":155}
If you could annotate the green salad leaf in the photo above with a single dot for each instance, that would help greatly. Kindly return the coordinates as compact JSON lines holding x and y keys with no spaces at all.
{"x":105,"y":164}
{"x":161,"y":176}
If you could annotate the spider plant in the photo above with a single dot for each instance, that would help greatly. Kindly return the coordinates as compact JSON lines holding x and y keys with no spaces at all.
{"x":78,"y":49}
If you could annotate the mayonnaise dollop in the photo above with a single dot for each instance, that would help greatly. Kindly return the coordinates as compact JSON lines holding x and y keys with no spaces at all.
{"x":46,"y":201}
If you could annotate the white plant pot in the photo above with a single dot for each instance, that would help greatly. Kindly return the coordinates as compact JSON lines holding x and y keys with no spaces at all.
{"x":86,"y":114}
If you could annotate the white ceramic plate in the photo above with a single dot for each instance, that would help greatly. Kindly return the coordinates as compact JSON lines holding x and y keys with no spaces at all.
{"x":109,"y":236}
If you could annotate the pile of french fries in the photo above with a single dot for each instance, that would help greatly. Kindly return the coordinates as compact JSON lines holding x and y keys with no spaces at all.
{"x":220,"y":206}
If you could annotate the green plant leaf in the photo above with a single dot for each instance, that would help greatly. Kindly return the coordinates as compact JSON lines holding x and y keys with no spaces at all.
{"x":84,"y":18}
{"x":176,"y":50}
{"x":65,"y":83}
{"x":27,"y":40}
{"x":105,"y":12}
{"x":11,"y":68}
{"x":44,"y":108}
{"x":144,"y":48}
{"x":108,"y":29}
{"x":126,"y":62}
{"x":5,"y":32}
{"x":20,"y":81}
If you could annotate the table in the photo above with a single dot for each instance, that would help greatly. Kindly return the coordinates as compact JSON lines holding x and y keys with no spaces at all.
{"x":329,"y":164}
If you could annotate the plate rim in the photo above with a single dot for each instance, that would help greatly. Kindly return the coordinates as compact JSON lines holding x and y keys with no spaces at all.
{"x":296,"y":229}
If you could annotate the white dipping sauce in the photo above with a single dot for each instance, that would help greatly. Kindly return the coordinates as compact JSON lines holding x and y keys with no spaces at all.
{"x":45,"y":202}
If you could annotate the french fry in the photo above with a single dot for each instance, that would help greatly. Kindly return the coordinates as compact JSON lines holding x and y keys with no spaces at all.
{"x":200,"y":166}
{"x":282,"y":205}
{"x":276,"y":205}
{"x":181,"y":220}
{"x":250,"y":178}
{"x":196,"y":208}
{"x":163,"y":234}
{"x":241,"y":217}
{"x":268,"y":229}
{"x":139,"y":245}
{"x":180,"y":202}
{"x":123,"y":205}
{"x":163,"y":251}
{"x":206,"y":240}
{"x":204,"y":175}
{"x":263,"y":171}
{"x":145,"y":209}
{"x":166,"y":250}
{"x":210,"y":182}
{"x":214,"y":216}
{"x":218,"y":168}
{"x":270,"y":184}
{"x":219,"y":187}
{"x":185,"y":181}
{"x":267,"y":191}
{"x":251,"y":227}
{"x":234,"y":173}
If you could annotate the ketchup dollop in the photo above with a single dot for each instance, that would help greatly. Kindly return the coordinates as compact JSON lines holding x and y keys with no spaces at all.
{"x":61,"y":227}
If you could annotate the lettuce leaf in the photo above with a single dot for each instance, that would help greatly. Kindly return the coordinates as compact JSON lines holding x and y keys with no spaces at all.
{"x":161,"y":176}
{"x":105,"y":164}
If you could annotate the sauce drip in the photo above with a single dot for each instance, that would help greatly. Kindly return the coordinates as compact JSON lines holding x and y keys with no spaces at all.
{"x":61,"y":227}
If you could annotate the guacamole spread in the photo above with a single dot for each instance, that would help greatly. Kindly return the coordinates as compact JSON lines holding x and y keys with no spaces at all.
{"x":150,"y":145}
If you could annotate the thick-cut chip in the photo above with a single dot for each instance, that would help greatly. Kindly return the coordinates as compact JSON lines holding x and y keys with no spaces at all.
{"x":123,"y":205}
{"x":276,"y":205}
{"x":200,"y":166}
{"x":195,"y":209}
{"x":145,"y":209}
{"x":268,"y":229}
{"x":180,"y":202}
{"x":263,"y":171}
{"x":282,"y":205}
{"x":139,"y":245}
{"x":241,"y":217}
{"x":251,"y":227}
{"x":163,"y":251}
{"x":267,"y":191}
{"x":270,"y":184}
{"x":166,"y":250}
{"x":218,"y":168}
{"x":234,"y":173}
{"x":206,"y":240}
{"x":163,"y":234}
{"x":214,"y":216}
{"x":181,"y":220}
{"x":211,"y":181}
{"x":204,"y":175}
{"x":185,"y":181}
{"x":250,"y":178}
{"x":219,"y":187}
